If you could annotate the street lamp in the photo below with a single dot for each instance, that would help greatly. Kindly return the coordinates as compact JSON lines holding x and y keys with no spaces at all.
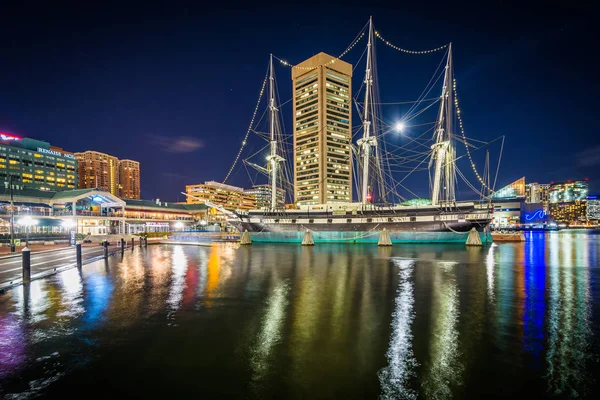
{"x":27,"y":222}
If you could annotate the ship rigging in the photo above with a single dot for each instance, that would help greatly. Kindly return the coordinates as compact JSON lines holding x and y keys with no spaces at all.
{"x":382,"y":165}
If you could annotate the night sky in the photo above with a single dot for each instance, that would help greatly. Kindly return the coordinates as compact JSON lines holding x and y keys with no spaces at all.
{"x":174,"y":86}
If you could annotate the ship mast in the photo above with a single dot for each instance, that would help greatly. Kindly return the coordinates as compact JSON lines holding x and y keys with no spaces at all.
{"x":442,"y":156}
{"x":367,"y":141}
{"x":273,"y":158}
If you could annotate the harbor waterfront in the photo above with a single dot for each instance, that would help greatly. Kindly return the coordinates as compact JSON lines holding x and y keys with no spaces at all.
{"x":329,"y":321}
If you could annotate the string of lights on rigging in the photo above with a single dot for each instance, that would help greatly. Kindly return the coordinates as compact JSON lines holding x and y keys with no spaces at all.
{"x":462,"y":130}
{"x":262,"y":91}
{"x":393,"y":46}
{"x":287,"y":64}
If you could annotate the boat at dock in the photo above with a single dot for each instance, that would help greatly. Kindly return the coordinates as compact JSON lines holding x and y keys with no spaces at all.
{"x":441,"y":218}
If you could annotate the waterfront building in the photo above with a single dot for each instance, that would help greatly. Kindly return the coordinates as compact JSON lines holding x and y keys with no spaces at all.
{"x":129,"y":179}
{"x":571,"y":212}
{"x":506,"y":213}
{"x":106,"y":172}
{"x":262,"y":194}
{"x":96,"y":212}
{"x":593,"y":208}
{"x":98,"y":170}
{"x":35,"y":164}
{"x":537,"y":193}
{"x":227,"y":196}
{"x":322,"y":103}
{"x":514,"y":190}
{"x":568,"y":191}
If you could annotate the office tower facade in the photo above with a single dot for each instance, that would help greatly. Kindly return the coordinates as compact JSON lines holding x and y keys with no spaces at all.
{"x":322,"y":95}
{"x":98,"y":170}
{"x":262,"y":194}
{"x":129,"y":179}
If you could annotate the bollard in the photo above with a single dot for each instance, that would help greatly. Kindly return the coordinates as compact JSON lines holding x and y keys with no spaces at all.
{"x":132,"y":243}
{"x":26,"y":254}
{"x":78,"y":251}
{"x":106,"y":250}
{"x":122,"y":244}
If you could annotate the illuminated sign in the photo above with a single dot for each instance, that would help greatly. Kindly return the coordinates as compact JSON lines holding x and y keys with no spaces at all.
{"x":6,"y":137}
{"x":538,"y":214}
{"x":55,"y":153}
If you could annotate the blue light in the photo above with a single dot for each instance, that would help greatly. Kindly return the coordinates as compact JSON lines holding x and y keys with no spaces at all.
{"x":97,"y":199}
{"x":538,"y":214}
{"x":592,"y":197}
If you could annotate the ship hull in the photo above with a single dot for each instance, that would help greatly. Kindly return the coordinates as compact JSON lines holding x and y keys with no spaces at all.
{"x":364,"y":232}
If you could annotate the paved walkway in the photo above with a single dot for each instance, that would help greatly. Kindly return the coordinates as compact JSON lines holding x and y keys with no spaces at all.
{"x":5,"y":250}
{"x":46,"y":262}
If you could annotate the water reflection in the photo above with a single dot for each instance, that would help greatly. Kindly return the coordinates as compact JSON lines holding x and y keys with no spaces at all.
{"x":321,"y":322}
{"x":490,"y":270}
{"x":12,"y":345}
{"x":569,"y":327}
{"x":444,"y":370}
{"x":395,"y":377}
{"x":270,"y":332}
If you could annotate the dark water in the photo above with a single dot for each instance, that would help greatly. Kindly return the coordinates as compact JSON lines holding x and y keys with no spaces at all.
{"x":426,"y":321}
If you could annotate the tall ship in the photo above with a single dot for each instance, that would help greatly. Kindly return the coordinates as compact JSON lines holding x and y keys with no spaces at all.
{"x":328,"y":155}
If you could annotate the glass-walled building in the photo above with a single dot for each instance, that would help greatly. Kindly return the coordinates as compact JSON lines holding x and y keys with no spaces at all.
{"x":514,"y":190}
{"x":593,"y":208}
{"x":35,"y":164}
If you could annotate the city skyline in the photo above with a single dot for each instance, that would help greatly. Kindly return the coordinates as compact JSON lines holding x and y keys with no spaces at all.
{"x":98,"y":92}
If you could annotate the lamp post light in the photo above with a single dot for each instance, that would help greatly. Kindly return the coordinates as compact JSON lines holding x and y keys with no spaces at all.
{"x":27,"y":222}
{"x":179,"y":225}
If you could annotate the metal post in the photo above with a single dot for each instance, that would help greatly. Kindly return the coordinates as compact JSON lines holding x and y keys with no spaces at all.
{"x":78,"y":250}
{"x":26,"y":259}
{"x":122,"y":244}
{"x":132,"y":243}
{"x":12,"y":215}
{"x":105,"y":250}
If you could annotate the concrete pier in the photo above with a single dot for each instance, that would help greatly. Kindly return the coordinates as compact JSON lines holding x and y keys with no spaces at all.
{"x":308,"y":239}
{"x":245,"y":239}
{"x":473,"y":239}
{"x":384,"y":238}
